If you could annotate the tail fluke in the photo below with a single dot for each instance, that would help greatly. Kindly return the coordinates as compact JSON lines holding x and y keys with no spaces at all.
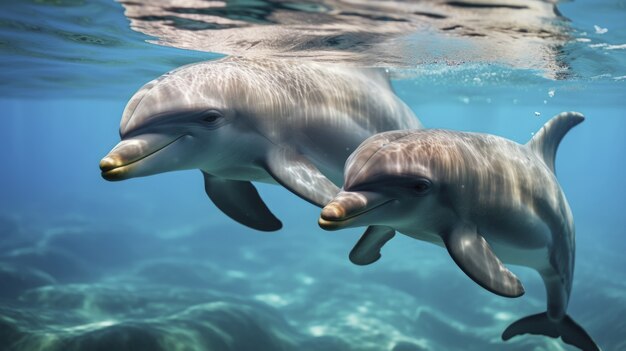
{"x":539,"y":324}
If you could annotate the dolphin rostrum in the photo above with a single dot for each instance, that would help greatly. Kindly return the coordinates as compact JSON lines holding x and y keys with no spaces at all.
{"x":240,"y":120}
{"x":486,"y":199}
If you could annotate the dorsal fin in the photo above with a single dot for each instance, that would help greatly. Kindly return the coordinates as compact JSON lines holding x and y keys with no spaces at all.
{"x":547,"y":139}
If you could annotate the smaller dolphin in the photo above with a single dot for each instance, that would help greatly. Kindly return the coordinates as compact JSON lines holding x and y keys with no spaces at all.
{"x":484,"y":198}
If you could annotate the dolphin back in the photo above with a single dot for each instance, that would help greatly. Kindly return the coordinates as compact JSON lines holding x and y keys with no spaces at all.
{"x":546,"y":141}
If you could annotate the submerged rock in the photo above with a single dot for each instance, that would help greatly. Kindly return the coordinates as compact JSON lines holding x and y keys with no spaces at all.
{"x":59,"y":264}
{"x":9,"y":331}
{"x":81,"y":317}
{"x":407,"y":346}
{"x":121,"y":337}
{"x":449,"y":334}
{"x":192,"y":274}
{"x":100,"y":249}
{"x":16,"y":280}
{"x":11,"y":235}
{"x":323,"y":343}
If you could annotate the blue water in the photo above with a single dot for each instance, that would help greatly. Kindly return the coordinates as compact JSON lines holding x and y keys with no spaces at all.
{"x":151,"y":264}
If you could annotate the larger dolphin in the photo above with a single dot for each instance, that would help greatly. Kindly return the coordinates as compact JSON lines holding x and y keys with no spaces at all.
{"x":240,"y":120}
{"x":484,"y":198}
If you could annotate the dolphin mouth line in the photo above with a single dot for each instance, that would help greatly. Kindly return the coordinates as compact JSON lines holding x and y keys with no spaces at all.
{"x":112,"y":170}
{"x":336,"y":224}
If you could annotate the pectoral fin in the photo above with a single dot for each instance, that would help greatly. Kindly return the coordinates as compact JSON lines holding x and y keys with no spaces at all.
{"x":300,"y":176}
{"x":367,"y":249}
{"x":473,"y":255}
{"x":240,"y":201}
{"x":296,"y":173}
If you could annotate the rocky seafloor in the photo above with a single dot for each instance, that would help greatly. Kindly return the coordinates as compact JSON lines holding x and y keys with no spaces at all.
{"x":79,"y":286}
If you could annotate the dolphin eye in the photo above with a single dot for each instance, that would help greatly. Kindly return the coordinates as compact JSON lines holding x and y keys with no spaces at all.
{"x":212,"y":116}
{"x":422,"y":186}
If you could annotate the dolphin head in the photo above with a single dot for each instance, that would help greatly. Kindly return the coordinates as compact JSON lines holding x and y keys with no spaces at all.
{"x":181,"y":120}
{"x":389,"y":181}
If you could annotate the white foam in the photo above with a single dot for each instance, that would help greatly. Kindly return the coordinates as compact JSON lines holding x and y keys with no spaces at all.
{"x":600,"y":30}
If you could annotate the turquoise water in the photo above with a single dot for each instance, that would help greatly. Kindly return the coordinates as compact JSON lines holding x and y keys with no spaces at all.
{"x":151,"y":264}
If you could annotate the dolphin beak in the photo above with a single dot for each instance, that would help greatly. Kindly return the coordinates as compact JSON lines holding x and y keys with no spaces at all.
{"x":122,"y":162}
{"x":108,"y":165}
{"x":347,"y":208}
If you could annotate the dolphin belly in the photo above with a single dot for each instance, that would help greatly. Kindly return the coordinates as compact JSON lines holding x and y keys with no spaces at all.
{"x":536,"y":258}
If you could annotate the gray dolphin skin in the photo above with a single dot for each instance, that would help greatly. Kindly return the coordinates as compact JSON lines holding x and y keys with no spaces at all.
{"x":240,"y":120}
{"x":486,"y":199}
